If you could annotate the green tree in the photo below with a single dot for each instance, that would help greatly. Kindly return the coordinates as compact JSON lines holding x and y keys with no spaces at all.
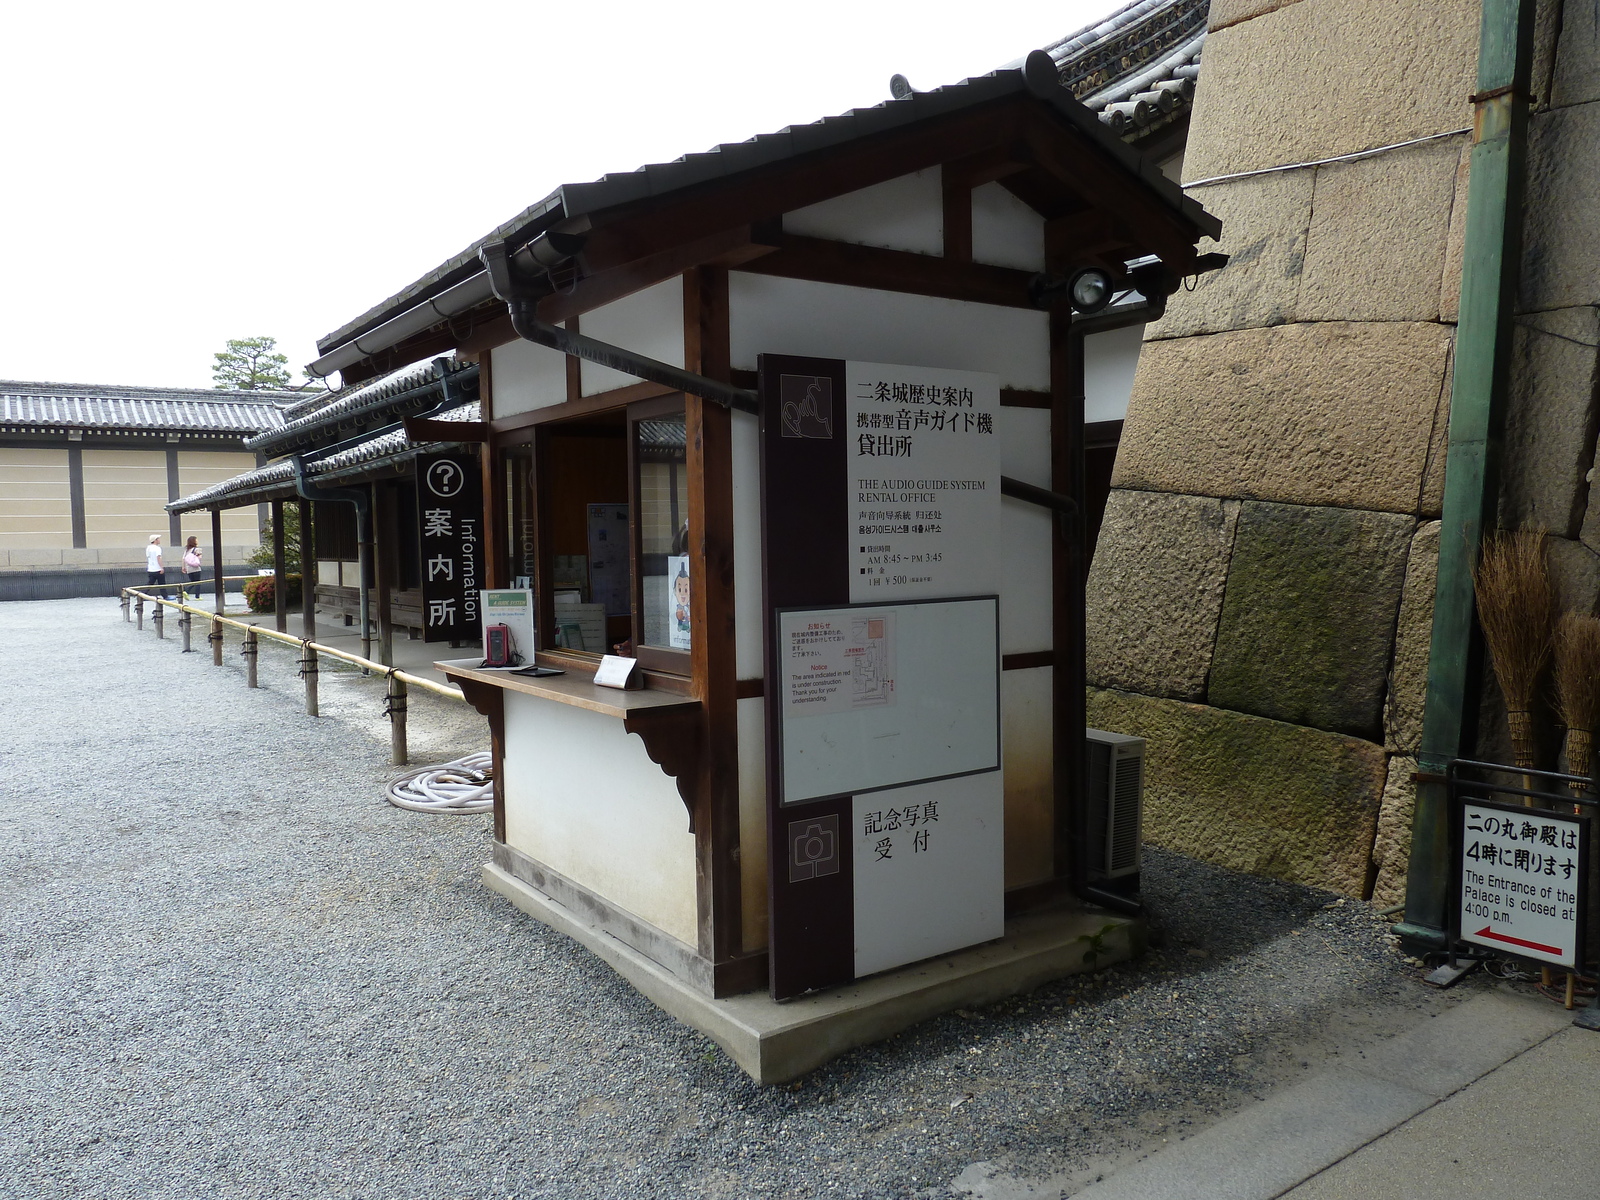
{"x":251,"y":364}
{"x":291,"y":541}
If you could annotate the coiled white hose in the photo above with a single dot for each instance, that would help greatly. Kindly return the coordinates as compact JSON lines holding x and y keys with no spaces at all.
{"x":463,"y":786}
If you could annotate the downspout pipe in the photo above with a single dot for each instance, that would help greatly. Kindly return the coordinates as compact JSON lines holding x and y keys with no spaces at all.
{"x":521,"y":300}
{"x":359,"y":497}
{"x":1491,"y":264}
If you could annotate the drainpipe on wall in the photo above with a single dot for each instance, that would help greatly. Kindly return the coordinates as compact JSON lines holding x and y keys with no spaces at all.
{"x":362,"y":501}
{"x":1491,"y":262}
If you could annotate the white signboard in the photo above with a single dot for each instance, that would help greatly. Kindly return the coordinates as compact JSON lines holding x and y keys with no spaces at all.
{"x":929,"y":867}
{"x":512,"y":607}
{"x":924,"y":482}
{"x":1520,"y":882}
{"x":878,"y":696}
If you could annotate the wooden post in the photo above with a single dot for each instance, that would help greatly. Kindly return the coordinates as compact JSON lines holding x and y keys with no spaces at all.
{"x":397,"y":719}
{"x":280,"y":580}
{"x":186,"y":623}
{"x":308,"y":579}
{"x":384,"y":547}
{"x":159,"y":617}
{"x":216,"y":554}
{"x":216,"y":642}
{"x":138,"y":608}
{"x":249,"y":652}
{"x":126,"y":615}
{"x":308,"y":672}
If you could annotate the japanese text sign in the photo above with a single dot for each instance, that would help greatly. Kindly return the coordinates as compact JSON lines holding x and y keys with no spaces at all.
{"x":450,"y":534}
{"x":1523,"y":871}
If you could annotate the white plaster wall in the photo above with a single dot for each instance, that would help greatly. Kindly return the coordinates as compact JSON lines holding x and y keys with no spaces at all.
{"x":524,"y":376}
{"x":748,"y":635}
{"x":1109,"y":362}
{"x":648,"y":322}
{"x":583,"y":797}
{"x":1025,"y":533}
{"x":1025,"y":707}
{"x":900,"y":214}
{"x":1005,"y":231}
{"x":769,"y":315}
{"x":752,"y":716}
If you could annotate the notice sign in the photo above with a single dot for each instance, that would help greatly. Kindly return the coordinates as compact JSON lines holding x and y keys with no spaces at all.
{"x":838,"y":663}
{"x":924,"y":477}
{"x":1523,"y":871}
{"x":450,"y":519}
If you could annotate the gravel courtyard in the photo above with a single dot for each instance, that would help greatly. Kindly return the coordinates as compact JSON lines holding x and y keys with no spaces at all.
{"x":230,"y":969}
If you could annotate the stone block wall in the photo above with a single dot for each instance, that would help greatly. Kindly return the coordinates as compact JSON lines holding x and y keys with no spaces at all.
{"x":1261,"y":598}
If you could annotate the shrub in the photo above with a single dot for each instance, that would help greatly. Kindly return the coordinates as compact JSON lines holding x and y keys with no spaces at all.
{"x":260,"y":593}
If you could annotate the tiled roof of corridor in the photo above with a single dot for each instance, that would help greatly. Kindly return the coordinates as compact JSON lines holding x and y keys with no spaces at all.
{"x":29,"y":406}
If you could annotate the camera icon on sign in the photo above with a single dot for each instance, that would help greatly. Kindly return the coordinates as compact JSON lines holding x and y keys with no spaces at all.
{"x":813,"y":848}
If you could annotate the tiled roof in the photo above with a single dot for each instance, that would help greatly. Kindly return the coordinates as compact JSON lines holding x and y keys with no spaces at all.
{"x":276,"y":480}
{"x":25,"y":405}
{"x":330,"y":410}
{"x":1137,"y":68}
{"x":656,"y":180}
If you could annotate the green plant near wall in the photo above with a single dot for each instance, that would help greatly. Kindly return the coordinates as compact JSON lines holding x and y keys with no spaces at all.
{"x":262,"y":556}
{"x":261,"y":593}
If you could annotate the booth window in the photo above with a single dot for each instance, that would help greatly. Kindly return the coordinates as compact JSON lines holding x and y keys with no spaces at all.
{"x":596,"y":521}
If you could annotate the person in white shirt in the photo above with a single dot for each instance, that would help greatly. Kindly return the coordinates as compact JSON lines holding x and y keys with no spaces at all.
{"x":152,"y":561}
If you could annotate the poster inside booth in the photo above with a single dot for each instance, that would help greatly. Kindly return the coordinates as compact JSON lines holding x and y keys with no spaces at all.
{"x":881,"y":502}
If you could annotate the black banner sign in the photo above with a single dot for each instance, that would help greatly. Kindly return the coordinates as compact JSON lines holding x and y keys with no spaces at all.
{"x":450,"y":533}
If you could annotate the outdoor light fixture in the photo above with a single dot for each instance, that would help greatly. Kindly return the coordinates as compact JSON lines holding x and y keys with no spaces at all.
{"x":1090,"y":290}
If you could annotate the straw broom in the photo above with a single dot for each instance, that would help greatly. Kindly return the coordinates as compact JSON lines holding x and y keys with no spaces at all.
{"x":1577,"y":678}
{"x":1516,"y":610}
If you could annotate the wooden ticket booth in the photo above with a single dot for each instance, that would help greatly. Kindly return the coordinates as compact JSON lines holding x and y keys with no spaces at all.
{"x":690,"y":375}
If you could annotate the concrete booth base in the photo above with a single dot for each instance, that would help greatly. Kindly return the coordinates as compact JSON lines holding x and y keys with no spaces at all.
{"x":776,"y":1042}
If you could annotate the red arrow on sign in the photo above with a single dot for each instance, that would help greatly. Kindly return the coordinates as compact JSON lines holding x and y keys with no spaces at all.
{"x":1505,"y":937}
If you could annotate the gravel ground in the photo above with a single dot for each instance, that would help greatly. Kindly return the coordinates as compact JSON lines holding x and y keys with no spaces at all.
{"x":232,"y":970}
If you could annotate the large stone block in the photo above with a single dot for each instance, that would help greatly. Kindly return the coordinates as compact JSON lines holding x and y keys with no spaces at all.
{"x":1408,"y":676}
{"x":1379,"y":225}
{"x":1391,"y":848}
{"x":1309,"y":615}
{"x":1231,"y":12}
{"x":1155,"y":592}
{"x":1264,"y":224}
{"x":1324,"y":77}
{"x":1432,"y":503}
{"x":1328,"y":413}
{"x":1251,"y":794}
{"x":1576,"y":77}
{"x":1550,"y":421}
{"x":1456,"y":240}
{"x":1561,"y":240}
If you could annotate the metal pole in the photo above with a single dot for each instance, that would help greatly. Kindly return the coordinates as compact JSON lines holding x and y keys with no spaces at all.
{"x":249,"y":650}
{"x":308,"y":672}
{"x":160,"y":618}
{"x":280,"y":575}
{"x":139,"y":609}
{"x":216,"y":642}
{"x":397,"y":719}
{"x":216,"y":555}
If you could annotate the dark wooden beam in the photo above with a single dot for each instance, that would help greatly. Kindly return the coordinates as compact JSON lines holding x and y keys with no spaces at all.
{"x":849,"y":265}
{"x":956,"y":195}
{"x":280,"y":574}
{"x":1018,"y":398}
{"x":425,"y":429}
{"x":308,"y":573}
{"x":581,"y":407}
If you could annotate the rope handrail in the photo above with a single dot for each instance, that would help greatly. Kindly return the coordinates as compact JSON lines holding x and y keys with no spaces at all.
{"x":289,"y":639}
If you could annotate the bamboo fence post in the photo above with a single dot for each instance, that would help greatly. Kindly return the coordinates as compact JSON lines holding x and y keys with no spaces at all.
{"x":160,"y":618}
{"x":308,"y":672}
{"x":138,"y":608}
{"x":397,"y":719}
{"x":249,"y":651}
{"x":216,"y":642}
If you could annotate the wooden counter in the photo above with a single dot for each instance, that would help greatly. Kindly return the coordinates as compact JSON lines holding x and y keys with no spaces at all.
{"x":573,"y":688}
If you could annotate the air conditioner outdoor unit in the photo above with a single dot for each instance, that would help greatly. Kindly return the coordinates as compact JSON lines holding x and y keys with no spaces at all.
{"x":1116,"y":802}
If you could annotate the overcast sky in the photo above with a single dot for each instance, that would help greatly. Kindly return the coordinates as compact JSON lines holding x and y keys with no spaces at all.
{"x":179,"y":174}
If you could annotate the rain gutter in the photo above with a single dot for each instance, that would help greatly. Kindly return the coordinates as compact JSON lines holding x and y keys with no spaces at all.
{"x":1489,"y":276}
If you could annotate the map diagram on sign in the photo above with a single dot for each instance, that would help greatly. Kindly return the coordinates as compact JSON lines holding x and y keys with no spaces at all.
{"x":839,"y":664}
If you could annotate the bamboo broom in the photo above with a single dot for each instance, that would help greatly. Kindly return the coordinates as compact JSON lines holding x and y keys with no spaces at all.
{"x":1516,"y":610}
{"x":1577,"y":678}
